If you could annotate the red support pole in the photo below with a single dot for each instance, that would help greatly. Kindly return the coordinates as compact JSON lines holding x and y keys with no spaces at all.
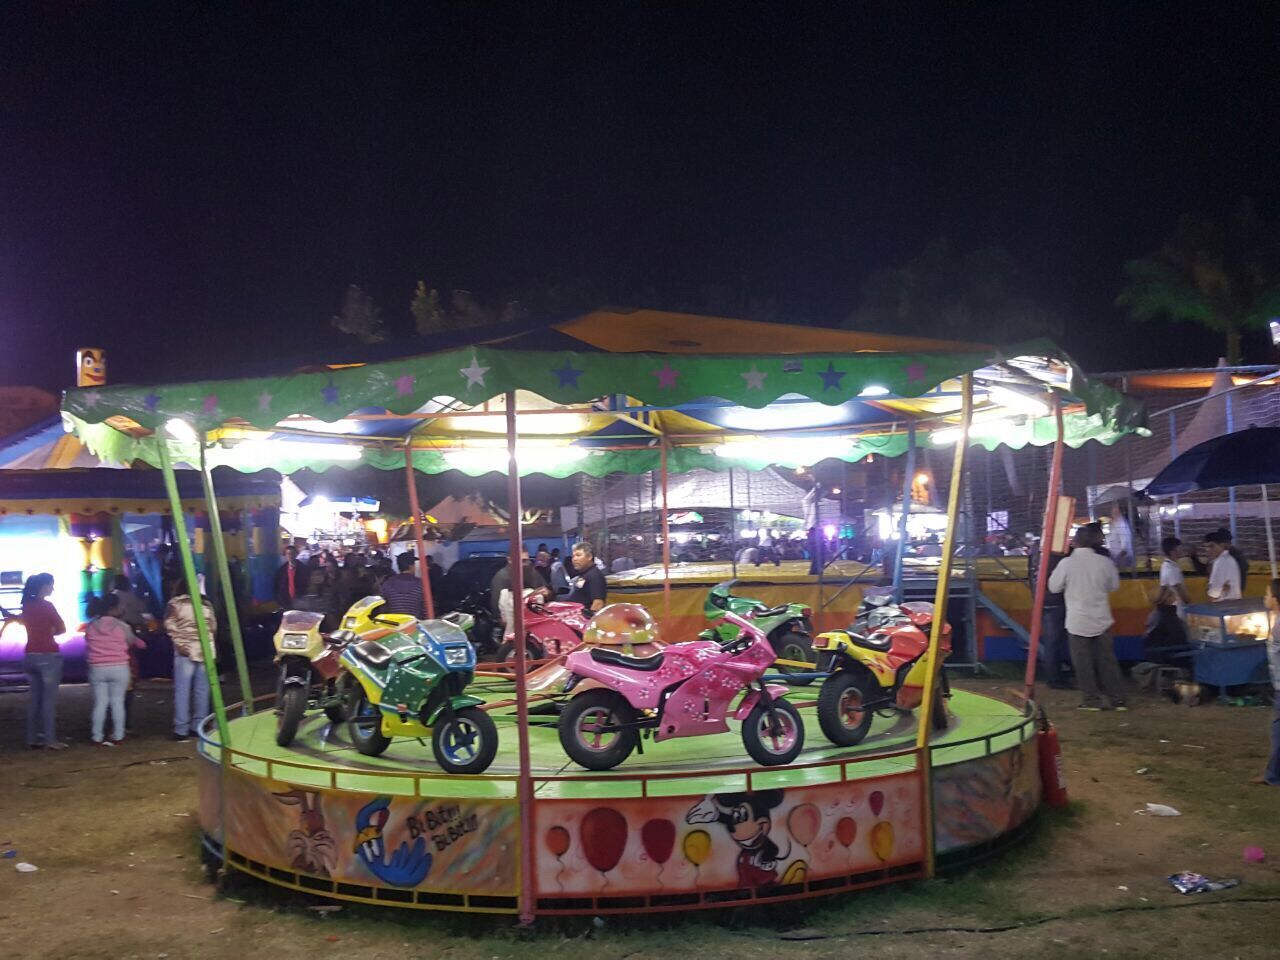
{"x":417,"y":531}
{"x":666,"y":546}
{"x":525,"y":784}
{"x":1046,"y":535}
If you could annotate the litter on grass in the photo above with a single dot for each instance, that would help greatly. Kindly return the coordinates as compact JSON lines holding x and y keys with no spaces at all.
{"x":1188,"y":882}
{"x":1159,"y":810}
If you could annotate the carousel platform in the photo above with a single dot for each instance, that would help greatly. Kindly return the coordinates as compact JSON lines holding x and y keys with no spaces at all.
{"x":688,"y":824}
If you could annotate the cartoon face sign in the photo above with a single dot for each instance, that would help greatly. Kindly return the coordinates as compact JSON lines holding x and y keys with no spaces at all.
{"x":91,"y":367}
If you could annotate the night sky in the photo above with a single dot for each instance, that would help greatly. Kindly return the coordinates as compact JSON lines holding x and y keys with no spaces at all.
{"x":189,"y":185}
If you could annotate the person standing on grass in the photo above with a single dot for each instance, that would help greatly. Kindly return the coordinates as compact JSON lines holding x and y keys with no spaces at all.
{"x":1271,"y":776}
{"x":1085,"y":578}
{"x":42,"y":661}
{"x":108,"y":641}
{"x":190,"y":681}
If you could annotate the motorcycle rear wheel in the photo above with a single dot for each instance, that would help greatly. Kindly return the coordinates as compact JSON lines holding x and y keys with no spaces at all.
{"x":795,"y":646}
{"x":842,"y":712}
{"x":364,"y":726}
{"x":337,"y":711}
{"x":465,"y":742}
{"x":773,"y":733}
{"x":292,"y":705}
{"x":507,"y":652}
{"x":593,"y":748}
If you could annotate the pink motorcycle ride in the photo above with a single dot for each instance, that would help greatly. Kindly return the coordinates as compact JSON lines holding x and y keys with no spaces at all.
{"x":551,"y":629}
{"x":683,"y":691}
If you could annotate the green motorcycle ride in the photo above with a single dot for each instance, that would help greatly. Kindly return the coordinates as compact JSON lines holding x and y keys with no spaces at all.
{"x":787,"y":626}
{"x":410,"y":683}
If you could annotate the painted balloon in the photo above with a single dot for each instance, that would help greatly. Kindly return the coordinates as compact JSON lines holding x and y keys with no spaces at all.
{"x":882,"y":840}
{"x":558,"y":841}
{"x":846,"y":831}
{"x":604,"y":837}
{"x":877,"y":802}
{"x":697,"y":846}
{"x":803,"y":822}
{"x":659,"y":839}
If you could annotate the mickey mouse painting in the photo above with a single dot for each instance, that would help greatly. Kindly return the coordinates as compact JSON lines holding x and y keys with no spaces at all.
{"x":749,"y":818}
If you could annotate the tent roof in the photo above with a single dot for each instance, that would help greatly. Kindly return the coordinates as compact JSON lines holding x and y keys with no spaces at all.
{"x":624,"y":379}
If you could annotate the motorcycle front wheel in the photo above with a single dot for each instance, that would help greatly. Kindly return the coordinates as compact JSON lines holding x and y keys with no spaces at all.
{"x":465,"y":742}
{"x":365,"y":725}
{"x":291,"y":707}
{"x":773,"y":733}
{"x":592,"y":732}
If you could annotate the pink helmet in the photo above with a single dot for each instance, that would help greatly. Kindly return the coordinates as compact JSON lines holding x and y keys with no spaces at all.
{"x":621,"y":624}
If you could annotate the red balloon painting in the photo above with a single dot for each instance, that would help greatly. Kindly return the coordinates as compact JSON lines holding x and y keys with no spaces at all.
{"x":558,"y":841}
{"x":604,"y":837}
{"x":659,"y":839}
{"x":846,"y":831}
{"x":877,"y":802}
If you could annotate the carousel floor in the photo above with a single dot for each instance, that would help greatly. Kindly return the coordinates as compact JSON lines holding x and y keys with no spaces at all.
{"x":322,"y":755}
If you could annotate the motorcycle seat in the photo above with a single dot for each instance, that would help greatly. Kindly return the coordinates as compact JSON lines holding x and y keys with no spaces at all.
{"x":615,"y":659}
{"x":769,"y":611}
{"x":873,"y":642}
{"x":372,"y":653}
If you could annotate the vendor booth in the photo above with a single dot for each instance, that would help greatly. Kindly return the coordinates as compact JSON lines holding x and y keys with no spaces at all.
{"x":63,"y":512}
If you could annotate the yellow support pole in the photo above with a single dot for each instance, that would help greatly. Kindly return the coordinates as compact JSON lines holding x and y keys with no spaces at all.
{"x":193,"y":587}
{"x":940,"y":618}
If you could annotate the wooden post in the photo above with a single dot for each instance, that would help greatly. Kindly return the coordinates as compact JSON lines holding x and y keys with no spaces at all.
{"x":1042,"y":572}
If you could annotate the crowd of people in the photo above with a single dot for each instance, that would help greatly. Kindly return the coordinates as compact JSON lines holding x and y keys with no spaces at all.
{"x":1077,"y":620}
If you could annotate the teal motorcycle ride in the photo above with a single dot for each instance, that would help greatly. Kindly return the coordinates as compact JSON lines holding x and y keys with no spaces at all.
{"x":787,"y":626}
{"x":411,"y":683}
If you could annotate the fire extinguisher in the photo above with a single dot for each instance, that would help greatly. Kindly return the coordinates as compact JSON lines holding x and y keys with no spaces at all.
{"x":1052,"y":778}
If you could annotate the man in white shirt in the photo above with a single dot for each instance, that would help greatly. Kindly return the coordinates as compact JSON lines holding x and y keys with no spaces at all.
{"x":1226,"y":579}
{"x":1085,"y":578}
{"x":1167,"y":632}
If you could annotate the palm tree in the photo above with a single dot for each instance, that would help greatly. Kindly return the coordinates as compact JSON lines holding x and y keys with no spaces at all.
{"x":1223,"y":276}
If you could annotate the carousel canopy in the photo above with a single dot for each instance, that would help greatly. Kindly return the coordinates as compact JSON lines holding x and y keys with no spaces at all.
{"x":719,"y":392}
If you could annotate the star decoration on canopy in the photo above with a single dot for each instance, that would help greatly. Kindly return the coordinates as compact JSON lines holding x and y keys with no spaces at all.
{"x":264,"y":400}
{"x":330,"y":394}
{"x":916,"y":372}
{"x":474,"y":373}
{"x":754,"y":378}
{"x":831,"y":377}
{"x":91,"y":399}
{"x":666,"y":375}
{"x":405,"y":385}
{"x":151,"y":401}
{"x":210,"y":404}
{"x":568,"y":374}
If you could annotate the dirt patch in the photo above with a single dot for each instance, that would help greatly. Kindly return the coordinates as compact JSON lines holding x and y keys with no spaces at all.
{"x":114,"y":835}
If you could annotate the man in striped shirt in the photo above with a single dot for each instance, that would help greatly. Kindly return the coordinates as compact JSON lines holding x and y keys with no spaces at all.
{"x":403,"y":592}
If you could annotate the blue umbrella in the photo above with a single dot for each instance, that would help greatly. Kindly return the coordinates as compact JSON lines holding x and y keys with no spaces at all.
{"x":1231,"y":460}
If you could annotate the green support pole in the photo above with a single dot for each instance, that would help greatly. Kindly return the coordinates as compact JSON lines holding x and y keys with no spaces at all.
{"x":193,"y":586}
{"x":228,"y":586}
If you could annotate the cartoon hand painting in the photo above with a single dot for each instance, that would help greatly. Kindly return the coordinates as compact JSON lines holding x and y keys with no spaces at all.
{"x":408,"y":866}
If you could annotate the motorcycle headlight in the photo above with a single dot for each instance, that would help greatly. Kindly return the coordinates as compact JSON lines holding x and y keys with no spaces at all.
{"x":457,"y":656}
{"x":294,"y":641}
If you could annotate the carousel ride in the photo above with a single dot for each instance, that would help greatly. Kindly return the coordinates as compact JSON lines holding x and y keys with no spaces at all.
{"x":646,"y":767}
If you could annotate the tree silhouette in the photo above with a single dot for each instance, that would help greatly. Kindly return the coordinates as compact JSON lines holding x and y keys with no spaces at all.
{"x":360,"y":317}
{"x":975,"y":296}
{"x":1224,"y":276}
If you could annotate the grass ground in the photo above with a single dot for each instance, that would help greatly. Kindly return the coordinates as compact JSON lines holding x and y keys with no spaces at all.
{"x":113,"y":833}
